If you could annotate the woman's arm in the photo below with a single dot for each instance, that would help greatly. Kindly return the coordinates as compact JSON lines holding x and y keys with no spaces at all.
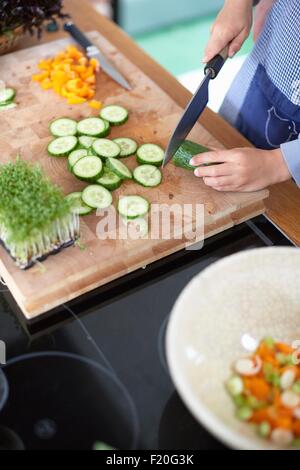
{"x":291,"y":155}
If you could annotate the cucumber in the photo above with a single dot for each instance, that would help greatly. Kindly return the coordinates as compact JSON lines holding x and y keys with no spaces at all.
{"x":132,"y":207}
{"x":92,"y":127}
{"x":106,"y":148}
{"x":88,"y":168}
{"x":107,"y":127}
{"x":77,"y":204}
{"x":6,"y":107}
{"x":63,"y":127}
{"x":75,"y":156}
{"x":62,"y":146}
{"x":150,"y":153}
{"x":119,"y":168}
{"x":84,"y":141}
{"x":140,"y":226}
{"x":147,"y":175}
{"x":97,"y":196}
{"x":128,"y":146}
{"x":186,"y":152}
{"x":110,"y":180}
{"x":115,"y":115}
{"x":7,"y":95}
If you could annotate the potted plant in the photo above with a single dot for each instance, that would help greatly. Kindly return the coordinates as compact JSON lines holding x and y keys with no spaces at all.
{"x":19,"y":16}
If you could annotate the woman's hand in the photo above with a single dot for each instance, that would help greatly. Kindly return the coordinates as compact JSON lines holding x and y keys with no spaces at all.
{"x":232,"y":27}
{"x":242,"y":169}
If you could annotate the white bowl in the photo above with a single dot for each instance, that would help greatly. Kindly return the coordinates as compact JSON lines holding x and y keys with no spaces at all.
{"x":219,"y":317}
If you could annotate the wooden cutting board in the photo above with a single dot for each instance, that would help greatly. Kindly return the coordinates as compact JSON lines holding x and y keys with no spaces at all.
{"x":153,"y":116}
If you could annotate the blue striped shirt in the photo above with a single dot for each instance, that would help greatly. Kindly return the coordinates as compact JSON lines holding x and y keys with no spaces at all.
{"x":278,"y":51}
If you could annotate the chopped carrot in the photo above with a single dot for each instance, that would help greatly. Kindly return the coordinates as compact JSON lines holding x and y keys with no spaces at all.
{"x":95,"y":104}
{"x":258,"y":387}
{"x":70,"y":74}
{"x":284,"y":348}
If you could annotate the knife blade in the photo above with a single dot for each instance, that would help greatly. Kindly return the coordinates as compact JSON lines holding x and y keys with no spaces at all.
{"x":93,"y":51}
{"x":196,"y":106}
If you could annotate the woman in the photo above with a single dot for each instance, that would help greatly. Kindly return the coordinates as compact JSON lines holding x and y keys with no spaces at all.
{"x":264,"y":100}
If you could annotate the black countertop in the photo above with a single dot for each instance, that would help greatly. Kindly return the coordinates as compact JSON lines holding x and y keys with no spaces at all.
{"x":95,"y":369}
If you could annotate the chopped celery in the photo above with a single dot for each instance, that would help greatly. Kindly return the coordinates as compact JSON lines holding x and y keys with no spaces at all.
{"x":244,"y":413}
{"x":284,"y":359}
{"x":269,"y":341}
{"x":235,"y":385}
{"x":296,"y":387}
{"x":239,"y":401}
{"x":254,"y":403}
{"x":271,"y":375}
{"x":264,"y":429}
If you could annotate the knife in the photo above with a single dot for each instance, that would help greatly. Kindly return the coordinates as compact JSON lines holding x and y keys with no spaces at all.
{"x":196,"y":106}
{"x":93,"y":51}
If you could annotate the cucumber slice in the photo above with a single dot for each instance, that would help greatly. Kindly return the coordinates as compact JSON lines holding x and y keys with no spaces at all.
{"x":7,"y":95}
{"x":63,"y":127}
{"x":6,"y":107}
{"x":84,"y":141}
{"x":128,"y":146}
{"x":106,"y":148}
{"x":119,"y":168}
{"x":62,"y":146}
{"x":150,"y":153}
{"x":132,"y":207}
{"x":115,"y":115}
{"x":147,"y":175}
{"x":93,"y":127}
{"x":107,"y":127}
{"x":97,"y":197}
{"x":88,"y":168}
{"x":186,"y":152}
{"x":139,"y":225}
{"x":110,"y":180}
{"x":77,"y":204}
{"x":75,"y":156}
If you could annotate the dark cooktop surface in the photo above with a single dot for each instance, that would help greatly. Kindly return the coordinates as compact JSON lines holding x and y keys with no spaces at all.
{"x":95,"y":369}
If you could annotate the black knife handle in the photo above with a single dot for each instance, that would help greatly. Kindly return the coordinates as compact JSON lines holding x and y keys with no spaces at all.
{"x":77,"y":35}
{"x":216,"y":63}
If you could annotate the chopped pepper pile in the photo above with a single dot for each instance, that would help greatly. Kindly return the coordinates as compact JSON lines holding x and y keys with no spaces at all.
{"x":265,"y":389}
{"x":71,"y":75}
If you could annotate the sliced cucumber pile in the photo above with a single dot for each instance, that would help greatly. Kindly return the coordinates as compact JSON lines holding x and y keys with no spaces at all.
{"x":128,"y":146}
{"x":186,"y":152}
{"x":147,"y":175}
{"x":132,"y":207}
{"x":119,"y":168}
{"x":88,"y":168}
{"x":95,"y":159}
{"x":77,"y":204}
{"x":150,"y":154}
{"x":63,"y":127}
{"x":75,"y":156}
{"x":7,"y":96}
{"x":62,"y":146}
{"x":110,"y":180}
{"x":106,"y":148}
{"x":92,"y":127}
{"x":96,"y":197}
{"x":115,"y":115}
